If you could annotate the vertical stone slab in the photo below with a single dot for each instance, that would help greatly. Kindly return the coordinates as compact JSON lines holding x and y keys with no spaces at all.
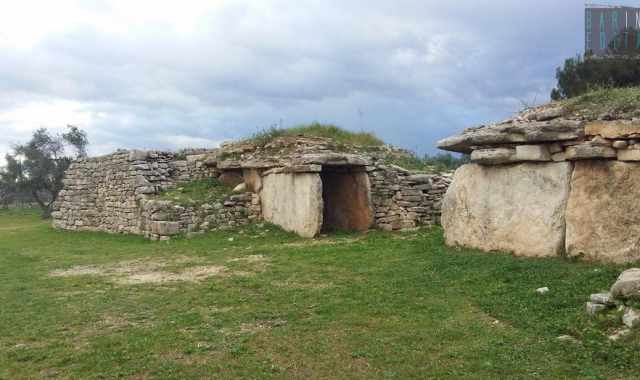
{"x":515,"y":208}
{"x":293,"y":201}
{"x":603,"y":213}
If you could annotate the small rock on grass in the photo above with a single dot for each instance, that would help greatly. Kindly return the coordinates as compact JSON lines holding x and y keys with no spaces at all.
{"x":628,"y":285}
{"x":603,"y":299}
{"x":594,"y":309}
{"x":619,"y":334}
{"x":542,"y":290}
{"x":631,"y":318}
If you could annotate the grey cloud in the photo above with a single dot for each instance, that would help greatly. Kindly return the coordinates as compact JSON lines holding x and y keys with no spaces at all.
{"x":412,"y":71}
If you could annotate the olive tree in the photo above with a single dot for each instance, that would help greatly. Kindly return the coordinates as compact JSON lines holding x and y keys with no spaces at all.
{"x":37,"y":167}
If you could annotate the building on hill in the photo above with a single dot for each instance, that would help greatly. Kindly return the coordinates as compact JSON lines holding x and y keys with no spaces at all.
{"x":611,"y":30}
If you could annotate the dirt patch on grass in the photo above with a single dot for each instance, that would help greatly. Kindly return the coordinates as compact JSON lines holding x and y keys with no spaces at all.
{"x":252,"y":328}
{"x":150,"y":272}
{"x":321,"y":242}
{"x":292,"y":284}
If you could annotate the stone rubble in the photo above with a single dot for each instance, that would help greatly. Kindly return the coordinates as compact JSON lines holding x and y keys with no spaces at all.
{"x":621,"y":297}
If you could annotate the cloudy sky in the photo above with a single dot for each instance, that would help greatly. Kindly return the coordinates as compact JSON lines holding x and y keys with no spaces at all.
{"x":155,"y":74}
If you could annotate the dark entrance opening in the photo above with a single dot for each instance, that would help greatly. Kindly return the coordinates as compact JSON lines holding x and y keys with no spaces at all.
{"x":347,"y":199}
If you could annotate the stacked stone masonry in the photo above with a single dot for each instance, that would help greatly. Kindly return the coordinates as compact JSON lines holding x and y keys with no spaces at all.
{"x":118,"y":193}
{"x":545,"y":184}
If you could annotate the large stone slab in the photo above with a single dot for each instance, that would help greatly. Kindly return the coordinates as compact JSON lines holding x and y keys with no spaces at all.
{"x":613,"y":129}
{"x":516,"y":208}
{"x":603,"y":212}
{"x":514,"y":133}
{"x":294,"y":202}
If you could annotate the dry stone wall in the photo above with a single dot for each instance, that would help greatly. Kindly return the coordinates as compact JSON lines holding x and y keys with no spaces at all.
{"x":546,"y":183}
{"x":403,"y":200}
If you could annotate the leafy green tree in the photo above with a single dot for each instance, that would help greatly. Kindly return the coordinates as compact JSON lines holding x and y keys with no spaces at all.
{"x":580,"y":75}
{"x":37,"y":167}
{"x":445,"y":161}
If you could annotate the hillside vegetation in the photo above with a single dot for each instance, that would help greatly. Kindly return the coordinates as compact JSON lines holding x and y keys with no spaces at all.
{"x":337,"y":134}
{"x":258,"y":303}
{"x":408,"y":160}
{"x":616,"y":102}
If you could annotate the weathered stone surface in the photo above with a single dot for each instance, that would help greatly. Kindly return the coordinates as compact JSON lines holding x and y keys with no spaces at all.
{"x":627,"y":286}
{"x":603,"y":299}
{"x":629,"y":155}
{"x":514,"y":132}
{"x":631,"y":318}
{"x":621,"y":144}
{"x":253,"y":180}
{"x":165,"y":228}
{"x":294,"y":202}
{"x":229,"y":164}
{"x":612,"y":129}
{"x":594,"y":309}
{"x":589,"y":151}
{"x":532,"y":153}
{"x":549,"y":114}
{"x":241,"y":188}
{"x":493,"y":156}
{"x":559,"y":157}
{"x":420,"y":178}
{"x":517,"y":208}
{"x":603,"y":212}
{"x":138,"y":155}
{"x":333,"y":159}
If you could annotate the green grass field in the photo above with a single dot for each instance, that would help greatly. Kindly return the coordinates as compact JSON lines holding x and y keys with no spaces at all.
{"x":257,"y":303}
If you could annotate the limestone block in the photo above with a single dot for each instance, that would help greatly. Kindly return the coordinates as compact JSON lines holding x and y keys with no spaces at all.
{"x":631,"y":318}
{"x":627,"y":286}
{"x":603,"y":212}
{"x":514,"y":133}
{"x":293,"y":201}
{"x":138,"y":155}
{"x":421,"y":179}
{"x":589,"y":151}
{"x":559,"y":157}
{"x":629,"y":155}
{"x":612,"y":129}
{"x":532,"y":153}
{"x":555,"y":148}
{"x":493,"y":156}
{"x":549,"y":113}
{"x":621,"y":144}
{"x":196,"y":157}
{"x":517,"y":208}
{"x":165,"y":228}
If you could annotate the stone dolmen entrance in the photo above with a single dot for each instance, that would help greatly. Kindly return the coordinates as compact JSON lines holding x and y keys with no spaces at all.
{"x":307,"y":185}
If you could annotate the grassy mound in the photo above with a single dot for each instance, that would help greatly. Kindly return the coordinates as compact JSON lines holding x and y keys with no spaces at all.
{"x":197,"y":192}
{"x":618,"y":102}
{"x":337,"y":134}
